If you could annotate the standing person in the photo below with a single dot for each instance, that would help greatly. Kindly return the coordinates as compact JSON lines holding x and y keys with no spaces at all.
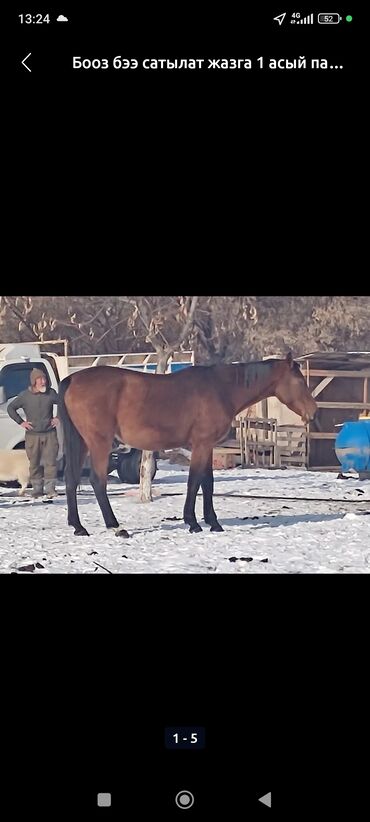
{"x":41,"y":437}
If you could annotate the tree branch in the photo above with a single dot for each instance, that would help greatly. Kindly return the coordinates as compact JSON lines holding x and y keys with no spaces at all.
{"x":20,"y":316}
{"x":189,"y":322}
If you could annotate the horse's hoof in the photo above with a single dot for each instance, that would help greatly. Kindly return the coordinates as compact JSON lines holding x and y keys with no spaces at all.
{"x":217,"y":527}
{"x":81,"y":532}
{"x":195,"y":529}
{"x":122,"y":533}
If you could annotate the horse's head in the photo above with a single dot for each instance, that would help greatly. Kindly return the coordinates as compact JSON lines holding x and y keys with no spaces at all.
{"x":291,"y":389}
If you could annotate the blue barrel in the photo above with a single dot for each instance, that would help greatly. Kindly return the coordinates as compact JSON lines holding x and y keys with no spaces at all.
{"x":352,"y":446}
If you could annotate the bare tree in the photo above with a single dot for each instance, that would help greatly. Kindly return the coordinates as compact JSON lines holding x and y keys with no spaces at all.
{"x":243,"y":328}
{"x":224,"y":326}
{"x":167,"y":324}
{"x":91,"y":324}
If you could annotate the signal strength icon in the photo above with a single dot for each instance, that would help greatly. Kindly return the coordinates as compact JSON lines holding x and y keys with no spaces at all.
{"x":306,"y":20}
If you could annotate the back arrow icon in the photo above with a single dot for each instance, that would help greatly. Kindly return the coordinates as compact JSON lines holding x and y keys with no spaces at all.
{"x":279,"y":19}
{"x":266,"y":799}
{"x":24,"y":61}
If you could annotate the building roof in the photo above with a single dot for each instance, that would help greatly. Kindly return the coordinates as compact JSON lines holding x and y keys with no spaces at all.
{"x":352,"y":360}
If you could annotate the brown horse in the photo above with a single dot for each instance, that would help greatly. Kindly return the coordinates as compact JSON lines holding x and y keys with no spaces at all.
{"x":191,"y":408}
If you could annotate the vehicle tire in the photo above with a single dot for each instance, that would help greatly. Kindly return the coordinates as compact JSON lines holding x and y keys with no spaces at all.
{"x":128,"y":467}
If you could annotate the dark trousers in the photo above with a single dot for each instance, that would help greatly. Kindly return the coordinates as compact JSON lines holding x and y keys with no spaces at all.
{"x":42,"y":451}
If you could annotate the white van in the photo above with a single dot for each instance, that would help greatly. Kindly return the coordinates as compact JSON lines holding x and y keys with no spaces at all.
{"x":16,"y":363}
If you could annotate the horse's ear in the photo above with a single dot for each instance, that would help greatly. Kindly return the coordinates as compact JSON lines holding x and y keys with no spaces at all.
{"x":289,"y":359}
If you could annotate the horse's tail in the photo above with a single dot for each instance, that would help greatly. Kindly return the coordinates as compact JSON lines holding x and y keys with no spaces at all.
{"x":73,"y":442}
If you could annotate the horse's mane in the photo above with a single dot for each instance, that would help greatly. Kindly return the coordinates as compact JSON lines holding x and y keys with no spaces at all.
{"x":249,"y":372}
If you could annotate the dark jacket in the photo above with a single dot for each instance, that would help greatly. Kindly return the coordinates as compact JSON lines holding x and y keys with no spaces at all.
{"x":38,"y":408}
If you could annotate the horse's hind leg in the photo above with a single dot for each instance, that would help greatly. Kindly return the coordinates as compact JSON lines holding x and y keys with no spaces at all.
{"x":73,"y":517}
{"x":100,"y":487}
{"x":197,"y":470}
{"x":207,"y":487}
{"x":99,"y":455}
{"x":71,"y":491}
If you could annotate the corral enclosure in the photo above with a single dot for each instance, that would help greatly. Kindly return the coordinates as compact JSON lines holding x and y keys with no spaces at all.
{"x":339,"y":381}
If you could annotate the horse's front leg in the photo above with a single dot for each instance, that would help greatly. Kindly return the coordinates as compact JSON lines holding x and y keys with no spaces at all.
{"x":197,"y":470}
{"x":207,"y":487}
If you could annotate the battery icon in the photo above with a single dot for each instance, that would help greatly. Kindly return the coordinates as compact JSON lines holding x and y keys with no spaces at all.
{"x":329,"y":19}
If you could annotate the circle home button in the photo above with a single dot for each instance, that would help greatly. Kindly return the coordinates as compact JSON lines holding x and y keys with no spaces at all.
{"x":184,"y":800}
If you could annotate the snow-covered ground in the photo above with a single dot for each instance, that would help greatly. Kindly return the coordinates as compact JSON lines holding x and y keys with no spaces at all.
{"x":301,"y":522}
